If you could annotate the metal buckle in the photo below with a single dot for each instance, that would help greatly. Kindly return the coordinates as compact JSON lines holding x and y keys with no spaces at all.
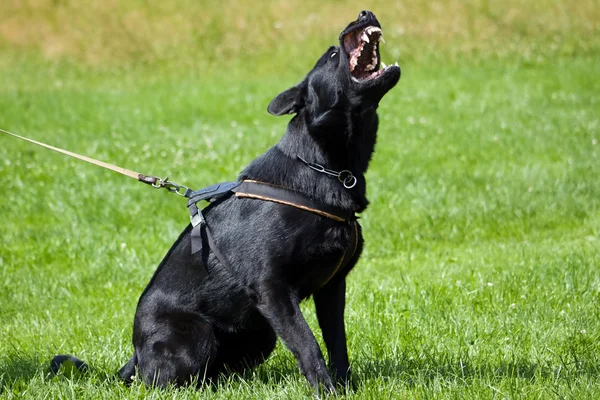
{"x":197,"y":219}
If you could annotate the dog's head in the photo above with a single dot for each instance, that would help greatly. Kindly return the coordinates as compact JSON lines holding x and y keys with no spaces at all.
{"x":348,"y":76}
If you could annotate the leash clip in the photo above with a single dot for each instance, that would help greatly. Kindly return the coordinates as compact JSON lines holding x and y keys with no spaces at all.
{"x":172,"y":187}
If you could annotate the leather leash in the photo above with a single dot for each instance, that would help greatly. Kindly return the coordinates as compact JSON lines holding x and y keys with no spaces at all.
{"x":154,"y":181}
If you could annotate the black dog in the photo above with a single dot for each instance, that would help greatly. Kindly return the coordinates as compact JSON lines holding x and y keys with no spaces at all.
{"x":222,"y":309}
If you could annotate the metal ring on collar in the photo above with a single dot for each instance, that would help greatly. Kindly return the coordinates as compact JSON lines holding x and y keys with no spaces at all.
{"x":347,"y":179}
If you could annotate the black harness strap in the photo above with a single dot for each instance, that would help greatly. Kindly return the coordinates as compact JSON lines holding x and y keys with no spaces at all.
{"x":215,"y":249}
{"x":210,"y":194}
{"x":345,"y":260}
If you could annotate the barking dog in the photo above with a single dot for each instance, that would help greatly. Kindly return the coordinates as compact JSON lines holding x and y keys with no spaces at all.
{"x":223,"y":308}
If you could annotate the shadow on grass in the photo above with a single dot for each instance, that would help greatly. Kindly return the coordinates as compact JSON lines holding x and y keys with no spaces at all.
{"x":275,"y":372}
{"x":18,"y":368}
{"x":413,"y":372}
{"x":16,"y":371}
{"x":425,"y":372}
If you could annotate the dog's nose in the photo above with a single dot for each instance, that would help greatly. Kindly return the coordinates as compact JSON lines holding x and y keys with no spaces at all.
{"x":364,"y":15}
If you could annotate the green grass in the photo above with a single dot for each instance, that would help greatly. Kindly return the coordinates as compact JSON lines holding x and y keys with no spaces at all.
{"x":480,"y":277}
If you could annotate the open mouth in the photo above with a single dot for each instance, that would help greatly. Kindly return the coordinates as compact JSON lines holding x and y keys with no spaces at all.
{"x":362,"y":46}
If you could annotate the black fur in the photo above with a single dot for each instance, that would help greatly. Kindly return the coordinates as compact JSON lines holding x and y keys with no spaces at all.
{"x":197,"y":319}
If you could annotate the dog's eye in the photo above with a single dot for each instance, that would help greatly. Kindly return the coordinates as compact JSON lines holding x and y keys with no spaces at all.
{"x":333,"y":54}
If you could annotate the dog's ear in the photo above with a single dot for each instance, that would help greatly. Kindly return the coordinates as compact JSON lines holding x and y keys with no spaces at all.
{"x":287,"y":102}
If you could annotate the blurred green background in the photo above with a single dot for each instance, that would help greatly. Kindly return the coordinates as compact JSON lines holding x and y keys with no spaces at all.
{"x":267,"y":36}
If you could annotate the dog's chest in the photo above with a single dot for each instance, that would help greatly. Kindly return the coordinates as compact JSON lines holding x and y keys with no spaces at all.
{"x":265,"y":241}
{"x":326,"y":258}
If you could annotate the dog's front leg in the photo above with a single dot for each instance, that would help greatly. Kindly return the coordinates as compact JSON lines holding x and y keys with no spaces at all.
{"x":281,"y":308}
{"x":330,"y":302}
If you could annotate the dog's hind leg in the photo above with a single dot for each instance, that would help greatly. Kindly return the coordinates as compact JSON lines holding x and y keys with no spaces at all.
{"x":177,"y":352}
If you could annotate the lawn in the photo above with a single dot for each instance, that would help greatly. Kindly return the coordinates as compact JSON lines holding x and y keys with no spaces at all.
{"x":480,"y":276}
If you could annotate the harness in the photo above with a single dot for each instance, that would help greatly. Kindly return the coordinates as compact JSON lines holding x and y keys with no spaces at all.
{"x":266,"y":192}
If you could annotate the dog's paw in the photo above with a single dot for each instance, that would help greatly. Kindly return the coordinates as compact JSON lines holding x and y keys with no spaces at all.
{"x":325,"y":392}
{"x":326,"y":389}
{"x":346,"y":385}
{"x":343,"y":380}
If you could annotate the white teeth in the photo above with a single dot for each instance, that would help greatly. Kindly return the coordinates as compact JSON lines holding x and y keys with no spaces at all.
{"x":396,"y":64}
{"x":368,"y":31}
{"x":370,"y":67}
{"x":383,"y":65}
{"x":381,"y":39}
{"x":372,"y":29}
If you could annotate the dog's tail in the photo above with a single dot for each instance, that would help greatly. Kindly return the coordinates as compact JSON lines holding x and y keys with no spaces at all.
{"x":71,"y":364}
{"x":68,"y":363}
